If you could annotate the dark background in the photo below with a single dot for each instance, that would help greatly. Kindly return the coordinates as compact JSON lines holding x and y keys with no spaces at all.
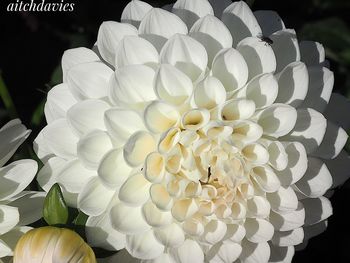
{"x":31,"y":46}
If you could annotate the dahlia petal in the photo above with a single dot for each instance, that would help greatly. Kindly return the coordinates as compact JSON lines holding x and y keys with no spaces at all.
{"x":214,"y":231}
{"x":246,"y":132}
{"x":94,"y":198}
{"x":254,"y":252}
{"x":186,"y":54}
{"x":234,"y":233}
{"x":47,"y":175}
{"x":288,"y":238}
{"x":286,"y":47}
{"x":293,"y":84}
{"x":14,"y":134}
{"x":209,"y":93}
{"x":109,"y":35}
{"x":336,"y":105}
{"x":75,"y":56}
{"x":297,"y":164}
{"x":100,"y":233}
{"x":184,"y":208}
{"x":89,"y":80}
{"x":269,"y":21}
{"x":127,"y":219}
{"x":266,"y":178}
{"x":239,"y":211}
{"x":316,"y":209}
{"x":262,"y":89}
{"x":5,"y":250}
{"x":160,"y":116}
{"x":258,"y":230}
{"x":9,"y":241}
{"x":258,"y":56}
{"x":223,"y":252}
{"x":171,"y":235}
{"x":256,"y":154}
{"x":155,"y":217}
{"x":281,"y":254}
{"x":134,"y":12}
{"x":9,"y":218}
{"x":121,"y":256}
{"x":139,"y":145}
{"x":159,"y":25}
{"x":321,"y":82}
{"x":219,"y":6}
{"x":163,"y":258}
{"x":132,"y":86}
{"x":135,"y":191}
{"x":277,"y":120}
{"x":73,"y":175}
{"x":241,"y":21}
{"x":258,"y":207}
{"x":339,"y":168}
{"x":189,"y":250}
{"x":167,"y":143}
{"x":191,"y":10}
{"x":315,"y":229}
{"x":40,"y":147}
{"x":283,"y":200}
{"x":83,"y":120}
{"x":172,"y":85}
{"x":212,"y":34}
{"x":312,"y":53}
{"x":230,"y":68}
{"x":309,"y":129}
{"x":144,"y":245}
{"x":30,"y":206}
{"x":288,"y":220}
{"x":195,"y":119}
{"x":237,"y":109}
{"x":59,"y":100}
{"x":92,"y":147}
{"x":278,"y":155}
{"x":161,"y":198}
{"x":134,"y":50}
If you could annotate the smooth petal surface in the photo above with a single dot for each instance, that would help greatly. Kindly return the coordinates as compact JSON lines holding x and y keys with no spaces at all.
{"x":225,"y":252}
{"x":339,"y":168}
{"x":188,"y":251}
{"x":269,"y":21}
{"x":312,"y":53}
{"x":135,"y":191}
{"x":209,"y":93}
{"x":281,"y":254}
{"x":338,"y":103}
{"x":9,"y":218}
{"x":255,"y":252}
{"x":134,"y":12}
{"x":288,"y":220}
{"x":316,"y":209}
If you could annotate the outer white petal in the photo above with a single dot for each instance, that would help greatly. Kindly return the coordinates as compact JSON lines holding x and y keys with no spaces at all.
{"x":223,"y":252}
{"x":5,"y":250}
{"x":89,"y":80}
{"x":12,"y":135}
{"x":258,"y":230}
{"x":214,"y":231}
{"x":41,"y":148}
{"x":266,"y":178}
{"x":315,"y":230}
{"x":213,"y":35}
{"x":209,"y":93}
{"x":309,"y":129}
{"x":259,"y":56}
{"x":127,"y":219}
{"x":133,"y":50}
{"x":83,"y":119}
{"x":293,"y":84}
{"x":288,"y":220}
{"x":59,"y":100}
{"x":99,"y":233}
{"x":254,"y":252}
{"x":113,"y":170}
{"x":189,"y":252}
{"x":9,"y":218}
{"x":258,"y":206}
{"x":219,"y":6}
{"x":135,"y":191}
{"x":191,"y":10}
{"x":241,"y":21}
{"x":286,"y":48}
{"x":94,"y":198}
{"x":109,"y":35}
{"x":144,"y":245}
{"x":321,"y":82}
{"x":15,"y":177}
{"x":121,"y":256}
{"x":312,"y":53}
{"x":158,"y":218}
{"x":159,"y":25}
{"x":278,"y":155}
{"x":316,"y":209}
{"x":281,"y":254}
{"x":47,"y":175}
{"x":262,"y":89}
{"x":231,"y":69}
{"x":339,"y":168}
{"x":171,"y":236}
{"x":186,"y":54}
{"x":288,"y":238}
{"x":172,"y":85}
{"x":75,"y":56}
{"x":277,"y":120}
{"x":92,"y":147}
{"x":284,"y":200}
{"x":132,"y":86}
{"x":163,"y":258}
{"x":134,"y":11}
{"x":235,"y":233}
{"x":337,"y":105}
{"x":269,"y":21}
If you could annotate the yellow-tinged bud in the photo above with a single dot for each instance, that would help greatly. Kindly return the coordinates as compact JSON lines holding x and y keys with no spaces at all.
{"x":52,"y":244}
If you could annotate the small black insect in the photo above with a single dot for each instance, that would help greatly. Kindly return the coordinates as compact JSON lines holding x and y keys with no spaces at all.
{"x":267,"y":40}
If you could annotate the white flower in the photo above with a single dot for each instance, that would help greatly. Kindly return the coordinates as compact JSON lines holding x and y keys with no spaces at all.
{"x":197,"y":139}
{"x":17,"y":207}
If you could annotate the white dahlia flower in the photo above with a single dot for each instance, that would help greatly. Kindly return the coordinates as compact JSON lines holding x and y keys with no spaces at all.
{"x":17,"y":207}
{"x":189,"y":137}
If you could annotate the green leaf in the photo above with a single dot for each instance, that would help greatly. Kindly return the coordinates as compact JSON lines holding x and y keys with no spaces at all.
{"x":6,"y":98}
{"x":81,"y":219}
{"x":55,"y":208}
